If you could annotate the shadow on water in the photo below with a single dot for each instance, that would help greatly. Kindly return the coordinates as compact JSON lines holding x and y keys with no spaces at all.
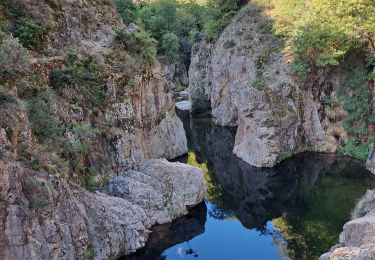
{"x":300,"y":205}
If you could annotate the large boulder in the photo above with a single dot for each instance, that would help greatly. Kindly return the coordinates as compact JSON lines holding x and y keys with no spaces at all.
{"x":357,"y":240}
{"x":163,"y":189}
{"x":51,"y":218}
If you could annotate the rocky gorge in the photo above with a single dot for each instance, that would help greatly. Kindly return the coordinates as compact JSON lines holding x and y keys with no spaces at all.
{"x":88,"y":124}
{"x":243,"y":79}
{"x":119,"y":122}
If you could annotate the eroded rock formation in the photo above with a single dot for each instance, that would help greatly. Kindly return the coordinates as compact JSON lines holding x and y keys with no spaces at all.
{"x":45,"y":211}
{"x":246,"y":81}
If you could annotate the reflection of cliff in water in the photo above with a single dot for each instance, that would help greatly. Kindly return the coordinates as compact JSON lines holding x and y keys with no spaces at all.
{"x":307,"y":182}
{"x":307,"y":198}
{"x":168,"y":235}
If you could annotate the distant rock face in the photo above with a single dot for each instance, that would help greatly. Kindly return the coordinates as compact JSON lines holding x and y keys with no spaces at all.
{"x":371,"y":160}
{"x":247,"y":83}
{"x":200,"y":73}
{"x":54,"y":219}
{"x":357,"y":241}
{"x":177,"y":76}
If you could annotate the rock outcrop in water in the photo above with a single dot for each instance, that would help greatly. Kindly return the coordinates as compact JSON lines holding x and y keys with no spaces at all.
{"x":164,"y":190}
{"x":55,"y":219}
{"x":357,"y":240}
{"x":245,"y":80}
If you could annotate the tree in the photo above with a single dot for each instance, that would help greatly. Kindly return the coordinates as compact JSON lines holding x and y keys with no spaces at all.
{"x":170,"y":46}
{"x":127,"y":10}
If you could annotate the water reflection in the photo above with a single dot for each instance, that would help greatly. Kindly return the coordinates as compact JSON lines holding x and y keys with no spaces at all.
{"x":177,"y":232}
{"x":299,"y":205}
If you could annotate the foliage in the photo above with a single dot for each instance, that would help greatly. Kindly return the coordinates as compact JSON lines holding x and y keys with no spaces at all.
{"x":354,"y":96}
{"x":138,"y":42}
{"x":357,"y":148}
{"x":218,"y":15}
{"x":259,"y":84}
{"x":184,"y":19}
{"x":321,"y":32}
{"x":79,"y":147}
{"x":36,"y":192}
{"x":14,"y":60}
{"x":43,"y":123}
{"x":127,"y":10}
{"x":6,"y":98}
{"x":170,"y":46}
{"x":82,"y":76}
{"x":29,"y":33}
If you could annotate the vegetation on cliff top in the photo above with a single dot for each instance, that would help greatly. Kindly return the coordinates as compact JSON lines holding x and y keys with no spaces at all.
{"x":176,"y":24}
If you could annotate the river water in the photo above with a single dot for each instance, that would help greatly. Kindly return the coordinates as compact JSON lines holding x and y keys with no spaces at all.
{"x":295,"y":210}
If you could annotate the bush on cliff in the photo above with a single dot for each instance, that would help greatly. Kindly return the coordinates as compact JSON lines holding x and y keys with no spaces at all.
{"x":322,"y":32}
{"x":14,"y":60}
{"x":81,"y":75}
{"x":127,"y":10}
{"x":28,"y":32}
{"x":136,"y":43}
{"x":170,"y":46}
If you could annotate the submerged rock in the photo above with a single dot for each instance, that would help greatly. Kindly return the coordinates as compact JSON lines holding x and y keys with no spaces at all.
{"x":357,"y":240}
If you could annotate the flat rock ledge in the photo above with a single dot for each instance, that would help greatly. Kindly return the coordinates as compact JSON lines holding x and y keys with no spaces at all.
{"x":183,"y":105}
{"x":357,"y":240}
{"x":165,"y":190}
{"x":56,"y":219}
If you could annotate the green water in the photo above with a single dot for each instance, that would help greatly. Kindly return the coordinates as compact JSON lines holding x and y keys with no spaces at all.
{"x":295,"y":210}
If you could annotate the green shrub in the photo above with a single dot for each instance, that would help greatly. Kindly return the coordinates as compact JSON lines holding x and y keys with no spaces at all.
{"x":29,"y":33}
{"x":136,"y":43}
{"x":127,"y":10}
{"x":36,"y":191}
{"x":82,"y":76}
{"x":170,"y":46}
{"x":43,"y":123}
{"x":259,"y":84}
{"x":357,"y":148}
{"x":6,"y":99}
{"x":14,"y":60}
{"x":219,"y":14}
{"x":354,"y":96}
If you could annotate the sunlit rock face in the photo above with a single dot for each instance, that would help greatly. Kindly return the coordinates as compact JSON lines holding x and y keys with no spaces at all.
{"x":45,"y":213}
{"x":245,"y":80}
{"x":55,"y":219}
{"x":163,"y":189}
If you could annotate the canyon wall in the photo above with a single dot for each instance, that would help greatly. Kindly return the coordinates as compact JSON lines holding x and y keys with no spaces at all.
{"x":84,"y":115}
{"x":245,"y":80}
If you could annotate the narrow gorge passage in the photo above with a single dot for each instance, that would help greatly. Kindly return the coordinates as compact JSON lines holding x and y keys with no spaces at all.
{"x":295,"y":210}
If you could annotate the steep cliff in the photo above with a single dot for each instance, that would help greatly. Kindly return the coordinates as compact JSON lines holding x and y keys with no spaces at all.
{"x":78,"y":108}
{"x":252,"y":88}
{"x":246,"y":80}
